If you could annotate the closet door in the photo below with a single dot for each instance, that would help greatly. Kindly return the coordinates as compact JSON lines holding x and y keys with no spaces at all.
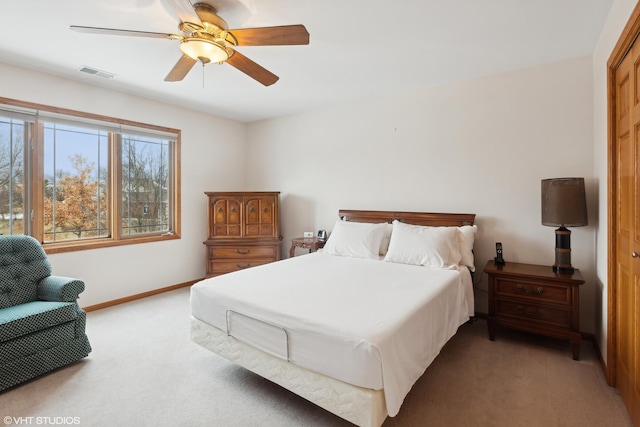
{"x":628,"y":232}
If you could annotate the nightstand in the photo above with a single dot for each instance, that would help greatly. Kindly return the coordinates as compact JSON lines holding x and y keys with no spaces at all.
{"x":535,"y":299}
{"x":311,"y":243}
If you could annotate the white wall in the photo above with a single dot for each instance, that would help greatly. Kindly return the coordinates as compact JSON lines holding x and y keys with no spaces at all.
{"x":618,"y":16}
{"x":495,"y":138}
{"x":479,"y":146}
{"x":213,"y":151}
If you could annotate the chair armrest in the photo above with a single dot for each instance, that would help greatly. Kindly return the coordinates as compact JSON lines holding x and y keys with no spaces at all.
{"x":58,"y":288}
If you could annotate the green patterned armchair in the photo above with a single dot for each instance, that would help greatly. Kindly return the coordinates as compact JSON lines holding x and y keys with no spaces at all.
{"x":41,"y":325}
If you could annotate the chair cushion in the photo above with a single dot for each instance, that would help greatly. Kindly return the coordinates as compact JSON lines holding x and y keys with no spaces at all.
{"x":23,"y":264}
{"x":33,"y":316}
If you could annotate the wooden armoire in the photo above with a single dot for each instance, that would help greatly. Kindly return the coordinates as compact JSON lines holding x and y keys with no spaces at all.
{"x":243,"y":230}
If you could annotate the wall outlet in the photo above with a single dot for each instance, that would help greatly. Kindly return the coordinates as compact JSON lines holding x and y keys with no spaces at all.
{"x":308,"y":234}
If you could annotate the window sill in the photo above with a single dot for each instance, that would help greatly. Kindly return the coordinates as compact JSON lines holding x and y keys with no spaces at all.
{"x":56,"y":248}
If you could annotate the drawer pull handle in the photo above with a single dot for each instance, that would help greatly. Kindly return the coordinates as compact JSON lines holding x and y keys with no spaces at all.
{"x":243,"y":252}
{"x":243,"y":265}
{"x":530,"y":313}
{"x":538,"y":291}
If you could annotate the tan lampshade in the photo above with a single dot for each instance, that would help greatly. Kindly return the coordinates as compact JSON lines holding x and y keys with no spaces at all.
{"x":564,"y":202}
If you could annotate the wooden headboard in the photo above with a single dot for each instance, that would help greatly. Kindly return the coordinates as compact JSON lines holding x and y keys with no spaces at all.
{"x":416,"y":218}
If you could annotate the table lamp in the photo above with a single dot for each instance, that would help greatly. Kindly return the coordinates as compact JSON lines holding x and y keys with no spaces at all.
{"x":564,"y":204}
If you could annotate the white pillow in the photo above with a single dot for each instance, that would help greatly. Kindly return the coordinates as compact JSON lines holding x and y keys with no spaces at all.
{"x":466,"y":238}
{"x":355,"y":239}
{"x":421,"y":245}
{"x":386,"y":238}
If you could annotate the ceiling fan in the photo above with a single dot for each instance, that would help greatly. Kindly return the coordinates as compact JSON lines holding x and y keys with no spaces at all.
{"x":206,"y":38}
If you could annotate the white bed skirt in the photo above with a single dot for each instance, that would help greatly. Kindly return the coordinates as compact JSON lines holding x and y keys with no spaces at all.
{"x":361,"y":406}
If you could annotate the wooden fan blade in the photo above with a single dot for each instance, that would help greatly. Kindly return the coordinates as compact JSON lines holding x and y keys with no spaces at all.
{"x":116,"y":32}
{"x":271,"y":36}
{"x":181,"y":69}
{"x":185,"y":11}
{"x":251,"y":69}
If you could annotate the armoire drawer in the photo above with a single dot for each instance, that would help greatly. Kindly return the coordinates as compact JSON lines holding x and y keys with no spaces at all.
{"x":242,"y":252}
{"x":218,"y":266}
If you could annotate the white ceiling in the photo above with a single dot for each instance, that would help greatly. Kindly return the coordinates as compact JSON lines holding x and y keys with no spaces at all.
{"x":358,"y":49}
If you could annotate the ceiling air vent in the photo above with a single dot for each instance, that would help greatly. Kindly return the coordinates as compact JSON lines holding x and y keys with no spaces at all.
{"x":96,"y":72}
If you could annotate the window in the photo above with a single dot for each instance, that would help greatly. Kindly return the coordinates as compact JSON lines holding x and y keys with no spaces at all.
{"x":77,"y":181}
{"x":75,"y":185}
{"x":145,"y":182}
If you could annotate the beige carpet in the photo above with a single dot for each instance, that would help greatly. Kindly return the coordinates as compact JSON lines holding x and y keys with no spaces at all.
{"x":144,"y":371}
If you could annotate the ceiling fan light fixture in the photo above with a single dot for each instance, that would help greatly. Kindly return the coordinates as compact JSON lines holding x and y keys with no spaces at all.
{"x":204,"y":50}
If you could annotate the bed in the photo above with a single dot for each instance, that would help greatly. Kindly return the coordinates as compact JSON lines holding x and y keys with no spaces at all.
{"x":381,"y":299}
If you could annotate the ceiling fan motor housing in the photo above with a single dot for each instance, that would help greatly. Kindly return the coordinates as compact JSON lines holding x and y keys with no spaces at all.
{"x":208,"y":15}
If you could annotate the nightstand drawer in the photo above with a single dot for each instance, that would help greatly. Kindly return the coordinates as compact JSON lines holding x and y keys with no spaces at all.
{"x":535,"y":291}
{"x":533,"y":312}
{"x":242,"y":252}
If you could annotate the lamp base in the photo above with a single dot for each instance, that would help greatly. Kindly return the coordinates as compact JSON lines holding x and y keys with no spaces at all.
{"x":563,"y":251}
{"x":561,"y":270}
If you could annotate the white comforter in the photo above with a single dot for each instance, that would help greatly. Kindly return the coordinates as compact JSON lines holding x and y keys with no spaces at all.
{"x":370,"y":323}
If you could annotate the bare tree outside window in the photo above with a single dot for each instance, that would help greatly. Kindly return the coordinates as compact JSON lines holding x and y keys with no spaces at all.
{"x":12,"y":214}
{"x":145,"y":167}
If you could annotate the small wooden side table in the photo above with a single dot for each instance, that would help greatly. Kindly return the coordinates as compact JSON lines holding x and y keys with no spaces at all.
{"x":534,"y":298}
{"x":311,"y":243}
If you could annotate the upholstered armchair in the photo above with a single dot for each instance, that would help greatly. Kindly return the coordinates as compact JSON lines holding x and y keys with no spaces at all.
{"x":41,"y":325}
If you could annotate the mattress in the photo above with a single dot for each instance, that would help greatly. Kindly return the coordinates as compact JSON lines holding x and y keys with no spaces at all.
{"x":369,"y":323}
{"x":362,"y":406}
